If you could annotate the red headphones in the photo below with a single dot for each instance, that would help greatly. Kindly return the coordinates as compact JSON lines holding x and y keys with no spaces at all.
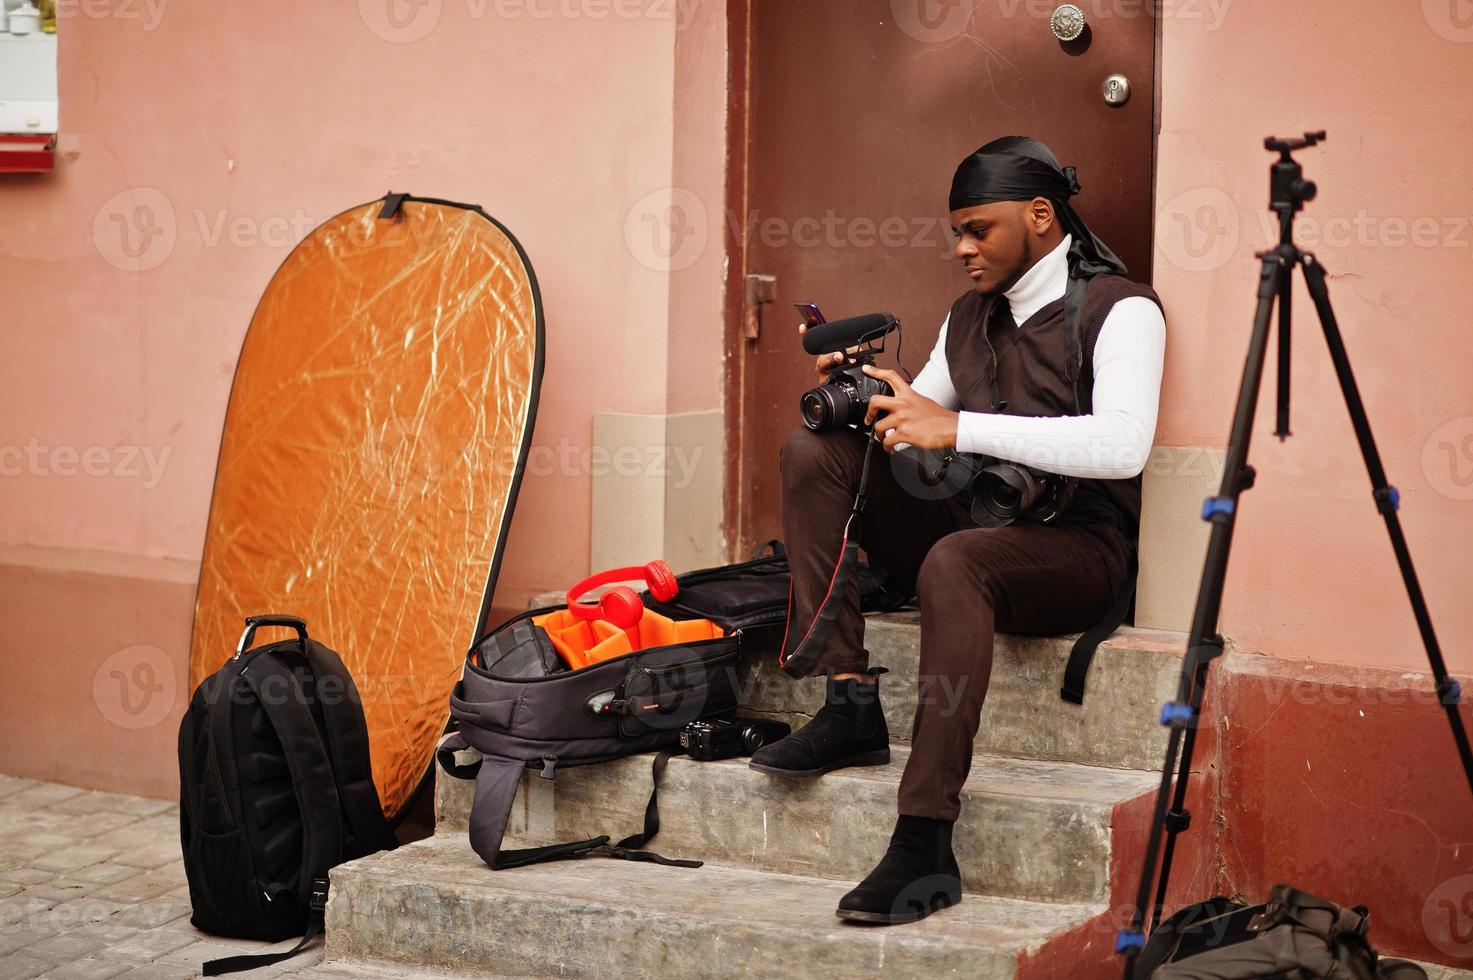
{"x":621,"y":605}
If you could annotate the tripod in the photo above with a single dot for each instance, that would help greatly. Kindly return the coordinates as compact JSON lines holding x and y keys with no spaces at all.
{"x":1288,"y":193}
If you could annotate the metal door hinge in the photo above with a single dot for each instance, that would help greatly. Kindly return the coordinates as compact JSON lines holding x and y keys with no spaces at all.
{"x":760,"y":291}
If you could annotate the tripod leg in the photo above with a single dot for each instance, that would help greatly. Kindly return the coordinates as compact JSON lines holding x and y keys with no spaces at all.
{"x":1387,"y":502}
{"x":1286,"y":316}
{"x":1204,"y":644}
{"x":1177,"y":819}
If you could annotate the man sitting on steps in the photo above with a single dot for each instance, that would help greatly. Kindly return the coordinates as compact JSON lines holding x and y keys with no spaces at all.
{"x":1014,"y":377}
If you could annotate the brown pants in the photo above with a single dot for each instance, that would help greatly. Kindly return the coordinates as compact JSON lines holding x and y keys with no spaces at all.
{"x":971,"y":581}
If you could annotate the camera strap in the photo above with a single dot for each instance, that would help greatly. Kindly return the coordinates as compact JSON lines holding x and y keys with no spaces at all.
{"x":1074,"y":294}
{"x":800,"y":661}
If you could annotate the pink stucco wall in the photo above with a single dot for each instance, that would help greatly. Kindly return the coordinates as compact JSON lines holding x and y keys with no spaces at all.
{"x":1313,"y":574}
{"x":237,"y":129}
{"x":244,"y":127}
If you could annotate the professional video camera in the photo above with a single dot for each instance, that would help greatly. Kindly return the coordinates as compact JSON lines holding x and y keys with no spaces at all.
{"x":996,"y":491}
{"x":844,"y":398}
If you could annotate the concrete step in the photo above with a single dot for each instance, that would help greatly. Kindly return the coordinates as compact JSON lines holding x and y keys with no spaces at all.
{"x":1028,"y":830}
{"x":1134,"y":672}
{"x":324,"y":969}
{"x":434,"y":904}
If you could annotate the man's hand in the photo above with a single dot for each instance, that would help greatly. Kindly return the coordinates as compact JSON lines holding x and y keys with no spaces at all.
{"x":909,"y":417}
{"x":824,"y":364}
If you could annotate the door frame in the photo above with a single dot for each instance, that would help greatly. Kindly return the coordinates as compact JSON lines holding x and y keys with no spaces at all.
{"x":734,"y":225}
{"x":738,"y":147}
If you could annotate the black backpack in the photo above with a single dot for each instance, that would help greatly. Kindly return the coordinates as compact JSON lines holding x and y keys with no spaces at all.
{"x":1292,"y":936}
{"x":753,"y":595}
{"x":275,"y":789}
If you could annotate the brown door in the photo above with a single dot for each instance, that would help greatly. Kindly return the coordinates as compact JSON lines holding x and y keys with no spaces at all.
{"x":852,"y":118}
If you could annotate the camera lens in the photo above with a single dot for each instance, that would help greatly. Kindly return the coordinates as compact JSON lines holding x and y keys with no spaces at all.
{"x":825,"y":407}
{"x":1006,"y":498}
{"x":815,"y":410}
{"x":1003,"y":492}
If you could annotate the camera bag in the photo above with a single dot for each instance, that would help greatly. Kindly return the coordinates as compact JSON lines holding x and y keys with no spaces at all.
{"x":521,"y":708}
{"x":1293,"y":936}
{"x":275,"y":789}
{"x":753,"y":595}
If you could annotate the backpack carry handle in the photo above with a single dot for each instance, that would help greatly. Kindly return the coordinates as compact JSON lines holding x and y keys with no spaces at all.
{"x":252,"y":623}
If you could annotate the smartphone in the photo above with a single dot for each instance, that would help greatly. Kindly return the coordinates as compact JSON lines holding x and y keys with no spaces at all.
{"x":812,"y":315}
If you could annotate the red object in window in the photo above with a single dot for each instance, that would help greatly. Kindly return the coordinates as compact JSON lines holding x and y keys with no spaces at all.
{"x":27,"y":153}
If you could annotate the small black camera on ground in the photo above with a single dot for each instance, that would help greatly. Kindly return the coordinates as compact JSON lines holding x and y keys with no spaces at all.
{"x":728,"y":738}
{"x":844,"y":398}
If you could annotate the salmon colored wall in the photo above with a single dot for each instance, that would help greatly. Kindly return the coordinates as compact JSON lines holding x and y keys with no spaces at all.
{"x":1345,"y":781}
{"x":238,"y":128}
{"x":696,"y":350}
{"x":245,"y":128}
{"x":1313,"y":576}
{"x":247,"y":125}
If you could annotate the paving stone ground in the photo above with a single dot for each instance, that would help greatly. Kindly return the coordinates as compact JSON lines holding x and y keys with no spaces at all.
{"x":92,"y":887}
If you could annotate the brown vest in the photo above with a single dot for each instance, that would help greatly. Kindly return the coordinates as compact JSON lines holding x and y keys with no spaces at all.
{"x":1028,"y":364}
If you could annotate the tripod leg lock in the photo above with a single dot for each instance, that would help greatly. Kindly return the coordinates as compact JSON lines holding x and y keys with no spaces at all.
{"x":1176,"y":715}
{"x":1388,"y":500}
{"x":1205,"y":652}
{"x":1217,"y":509}
{"x":1450,"y":693}
{"x":1176,"y":821}
{"x":1129,"y":941}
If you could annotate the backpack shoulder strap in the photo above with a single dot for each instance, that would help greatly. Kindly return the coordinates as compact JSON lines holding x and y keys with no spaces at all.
{"x":217,"y":695}
{"x":347,"y":745}
{"x":281,"y":697}
{"x":255,"y":961}
{"x":496,"y":788}
{"x":1083,"y":653}
{"x":194,"y":725}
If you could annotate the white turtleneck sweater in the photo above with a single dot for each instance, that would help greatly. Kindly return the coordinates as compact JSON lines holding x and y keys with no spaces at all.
{"x":1115,"y":440}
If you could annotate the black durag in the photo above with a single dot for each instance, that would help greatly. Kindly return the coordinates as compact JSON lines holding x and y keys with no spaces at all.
{"x":1018,"y":168}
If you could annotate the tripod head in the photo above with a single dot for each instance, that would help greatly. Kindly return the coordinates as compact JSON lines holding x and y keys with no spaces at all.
{"x":1288,"y":190}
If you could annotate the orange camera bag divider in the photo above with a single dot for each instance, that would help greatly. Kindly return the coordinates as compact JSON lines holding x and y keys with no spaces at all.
{"x":583,"y":642}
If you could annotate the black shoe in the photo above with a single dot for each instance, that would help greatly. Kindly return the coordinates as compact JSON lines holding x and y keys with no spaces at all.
{"x":917,"y":876}
{"x":849,"y":730}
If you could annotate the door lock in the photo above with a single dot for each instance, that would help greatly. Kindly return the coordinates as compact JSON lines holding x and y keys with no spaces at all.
{"x":1116,"y":90}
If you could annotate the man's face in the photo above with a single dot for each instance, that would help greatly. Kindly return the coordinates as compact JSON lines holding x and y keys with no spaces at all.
{"x":994,"y":243}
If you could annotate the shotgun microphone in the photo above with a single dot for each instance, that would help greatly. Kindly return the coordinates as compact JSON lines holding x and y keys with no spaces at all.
{"x":826,"y":338}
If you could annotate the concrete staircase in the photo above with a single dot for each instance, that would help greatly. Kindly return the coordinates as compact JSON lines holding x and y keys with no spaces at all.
{"x":1053,"y":824}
